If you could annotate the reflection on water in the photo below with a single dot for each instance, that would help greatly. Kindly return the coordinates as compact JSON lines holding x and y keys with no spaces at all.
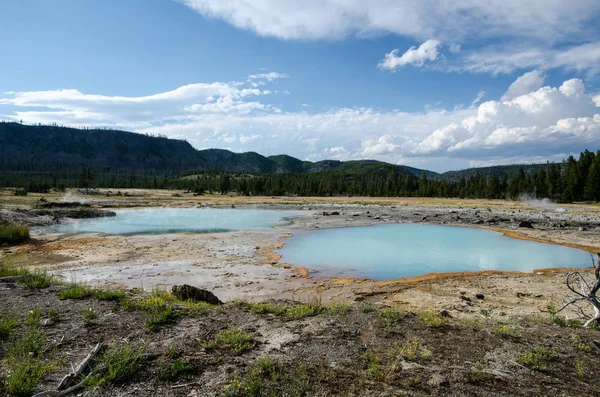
{"x":175,"y":220}
{"x":393,"y":251}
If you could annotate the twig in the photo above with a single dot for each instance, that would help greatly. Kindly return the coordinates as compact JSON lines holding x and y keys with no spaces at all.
{"x":184,"y":385}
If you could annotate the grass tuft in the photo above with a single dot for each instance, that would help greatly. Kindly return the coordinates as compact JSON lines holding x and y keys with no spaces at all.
{"x":8,"y":322}
{"x":267,"y":377}
{"x":175,"y":370}
{"x":38,"y":279}
{"x":233,"y":340}
{"x":26,"y":362}
{"x":13,"y":234}
{"x":122,"y":363}
{"x":537,"y":358}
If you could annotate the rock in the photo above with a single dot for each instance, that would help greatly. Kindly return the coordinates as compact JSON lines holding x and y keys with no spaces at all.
{"x":582,"y":228}
{"x":188,"y":292}
{"x":480,"y":296}
{"x":445,"y":313}
{"x":334,"y":213}
{"x":478,"y":222}
{"x":325,"y":213}
{"x":232,"y":206}
{"x":523,"y":294}
{"x":526,"y":224}
{"x":463,"y":292}
{"x":465,"y":298}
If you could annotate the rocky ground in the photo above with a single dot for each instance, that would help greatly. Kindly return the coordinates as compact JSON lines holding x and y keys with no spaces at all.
{"x":363,"y":349}
{"x":475,"y":346}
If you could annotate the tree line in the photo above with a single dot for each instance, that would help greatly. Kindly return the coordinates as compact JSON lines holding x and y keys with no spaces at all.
{"x":568,"y":181}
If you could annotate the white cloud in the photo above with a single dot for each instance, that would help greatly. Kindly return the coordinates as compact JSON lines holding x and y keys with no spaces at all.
{"x":454,"y":48}
{"x":478,"y":98}
{"x":543,"y":123}
{"x":448,"y":20}
{"x":493,"y":60}
{"x":546,"y":120}
{"x":413,"y":56}
{"x":526,"y":83}
{"x":268,"y":76}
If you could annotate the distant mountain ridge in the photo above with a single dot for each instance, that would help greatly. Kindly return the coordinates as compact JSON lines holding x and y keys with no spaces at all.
{"x":32,"y":148}
{"x":40,"y":148}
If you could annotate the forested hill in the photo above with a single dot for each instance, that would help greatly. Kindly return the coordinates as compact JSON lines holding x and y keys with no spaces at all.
{"x":511,"y":171}
{"x":53,"y":148}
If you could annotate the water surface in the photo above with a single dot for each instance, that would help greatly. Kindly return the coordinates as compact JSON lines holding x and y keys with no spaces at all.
{"x":388,"y":252}
{"x":175,"y":220}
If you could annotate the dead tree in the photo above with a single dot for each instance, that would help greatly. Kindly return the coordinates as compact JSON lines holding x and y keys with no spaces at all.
{"x":585,"y":291}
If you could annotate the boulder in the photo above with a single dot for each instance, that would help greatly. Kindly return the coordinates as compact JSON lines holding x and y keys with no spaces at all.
{"x":480,"y":296}
{"x":187,"y":292}
{"x":526,"y":224}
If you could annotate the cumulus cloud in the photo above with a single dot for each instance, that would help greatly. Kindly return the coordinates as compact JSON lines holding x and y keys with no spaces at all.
{"x":545,"y":122}
{"x":428,"y":51}
{"x":445,"y":19}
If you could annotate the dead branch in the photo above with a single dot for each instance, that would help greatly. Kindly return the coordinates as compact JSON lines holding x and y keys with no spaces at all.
{"x":68,"y":379}
{"x":577,"y":284}
{"x":83,"y":365}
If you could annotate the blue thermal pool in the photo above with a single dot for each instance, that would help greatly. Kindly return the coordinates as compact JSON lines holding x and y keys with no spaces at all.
{"x":406,"y":250}
{"x":175,"y":220}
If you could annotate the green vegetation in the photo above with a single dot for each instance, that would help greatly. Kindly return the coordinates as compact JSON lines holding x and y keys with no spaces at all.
{"x":431,"y":319}
{"x":268,"y":308}
{"x":26,"y":359}
{"x":13,"y":234}
{"x":75,"y":291}
{"x":537,"y":358}
{"x":233,"y":340}
{"x":82,"y":291}
{"x":38,"y":279}
{"x":6,"y":271}
{"x":268,"y":378}
{"x":390,"y":317}
{"x":579,"y":367}
{"x":504,"y":330}
{"x":368,"y":308}
{"x":339,"y":308}
{"x":297,"y":311}
{"x":175,"y":370}
{"x":8,"y":322}
{"x":411,"y":350}
{"x":561,"y":320}
{"x":90,"y":315}
{"x":121,"y":363}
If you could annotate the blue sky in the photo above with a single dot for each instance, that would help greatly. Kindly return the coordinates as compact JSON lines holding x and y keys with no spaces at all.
{"x":430,"y":84}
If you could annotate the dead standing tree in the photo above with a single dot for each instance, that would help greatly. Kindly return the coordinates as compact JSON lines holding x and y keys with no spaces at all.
{"x":584,"y":290}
